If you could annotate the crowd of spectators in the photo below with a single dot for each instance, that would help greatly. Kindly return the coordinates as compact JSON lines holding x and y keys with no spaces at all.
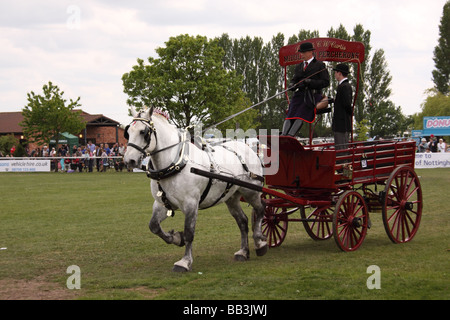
{"x":83,"y":158}
{"x":101,"y":157}
{"x":432,"y":145}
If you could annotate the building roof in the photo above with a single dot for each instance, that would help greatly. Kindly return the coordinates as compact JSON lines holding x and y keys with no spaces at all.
{"x":9,"y":121}
{"x":98,"y":120}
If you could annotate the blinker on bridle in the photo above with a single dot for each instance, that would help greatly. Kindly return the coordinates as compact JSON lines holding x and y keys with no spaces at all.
{"x":147,"y":132}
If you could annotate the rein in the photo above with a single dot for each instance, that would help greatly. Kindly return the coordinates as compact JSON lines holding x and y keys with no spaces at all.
{"x":261,"y":102}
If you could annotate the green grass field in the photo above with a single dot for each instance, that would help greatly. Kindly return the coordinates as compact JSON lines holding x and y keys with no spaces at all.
{"x":99,"y":222}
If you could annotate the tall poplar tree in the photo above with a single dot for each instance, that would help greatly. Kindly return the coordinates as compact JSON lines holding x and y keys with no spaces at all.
{"x":361,"y":35}
{"x":441,"y":75}
{"x":385,"y":118}
{"x":274,"y":111}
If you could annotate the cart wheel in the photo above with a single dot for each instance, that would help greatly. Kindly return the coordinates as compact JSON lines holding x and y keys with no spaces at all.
{"x":320,"y":224}
{"x":350,"y":221}
{"x":402,"y":207}
{"x":275,"y":225}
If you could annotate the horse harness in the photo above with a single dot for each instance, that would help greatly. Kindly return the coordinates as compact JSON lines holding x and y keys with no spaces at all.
{"x":175,"y":167}
{"x":149,"y":129}
{"x":179,"y":163}
{"x":229,"y":184}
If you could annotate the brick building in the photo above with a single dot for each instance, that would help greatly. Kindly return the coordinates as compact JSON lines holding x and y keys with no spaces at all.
{"x":99,"y":129}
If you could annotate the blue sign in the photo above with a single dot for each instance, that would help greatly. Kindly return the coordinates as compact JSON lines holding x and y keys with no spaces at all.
{"x":416,"y":133}
{"x":438,"y":126}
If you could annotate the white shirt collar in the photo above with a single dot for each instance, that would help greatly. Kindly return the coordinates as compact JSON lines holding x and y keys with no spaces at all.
{"x":309,"y":61}
{"x":343,"y":80}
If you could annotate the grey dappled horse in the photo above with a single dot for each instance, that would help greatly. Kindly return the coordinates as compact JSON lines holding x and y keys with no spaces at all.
{"x":173,"y":186}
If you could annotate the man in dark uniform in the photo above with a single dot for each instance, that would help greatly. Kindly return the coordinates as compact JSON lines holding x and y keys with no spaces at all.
{"x":310,"y":77}
{"x":342,"y":117}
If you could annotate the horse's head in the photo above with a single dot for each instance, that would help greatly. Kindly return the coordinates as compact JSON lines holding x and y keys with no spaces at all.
{"x":141,"y":136}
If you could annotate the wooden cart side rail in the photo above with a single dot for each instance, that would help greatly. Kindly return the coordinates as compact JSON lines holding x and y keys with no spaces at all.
{"x":375,"y":162}
{"x":320,"y":167}
{"x":372,"y":163}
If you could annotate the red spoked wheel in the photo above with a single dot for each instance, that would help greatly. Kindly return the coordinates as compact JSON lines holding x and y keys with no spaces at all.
{"x":318,"y":222}
{"x":275,"y":225}
{"x":402,"y":207}
{"x":350,"y":221}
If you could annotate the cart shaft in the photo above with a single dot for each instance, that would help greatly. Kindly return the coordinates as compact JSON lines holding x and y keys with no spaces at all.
{"x":259,"y":188}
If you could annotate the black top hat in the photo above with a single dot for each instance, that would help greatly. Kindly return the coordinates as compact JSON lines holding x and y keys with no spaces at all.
{"x":307,"y":46}
{"x":343,"y":68}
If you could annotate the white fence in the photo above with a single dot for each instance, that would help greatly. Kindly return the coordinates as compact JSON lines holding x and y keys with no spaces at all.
{"x":423,"y":161}
{"x":42,"y":164}
{"x":12,"y":165}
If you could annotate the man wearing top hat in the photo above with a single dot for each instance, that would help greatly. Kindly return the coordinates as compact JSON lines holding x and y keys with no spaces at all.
{"x":310,"y":77}
{"x":342,"y":117}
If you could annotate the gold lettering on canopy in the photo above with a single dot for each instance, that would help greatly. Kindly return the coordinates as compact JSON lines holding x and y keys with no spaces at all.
{"x":326,"y":49}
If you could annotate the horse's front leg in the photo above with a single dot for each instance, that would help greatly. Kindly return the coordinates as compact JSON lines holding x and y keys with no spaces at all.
{"x":254,"y":199}
{"x":235,"y":209}
{"x":158,"y":216}
{"x":185,"y":264}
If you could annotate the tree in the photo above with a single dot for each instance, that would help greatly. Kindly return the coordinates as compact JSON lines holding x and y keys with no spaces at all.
{"x":274,"y":111}
{"x":436,"y":104}
{"x":359,"y":34}
{"x":262,"y":75}
{"x":362,"y":130}
{"x":385,"y":118}
{"x":47,"y":115}
{"x":378,"y":80}
{"x":188,"y":81}
{"x":6,"y":143}
{"x":303,"y":35}
{"x":247,"y":57}
{"x":441,"y":75}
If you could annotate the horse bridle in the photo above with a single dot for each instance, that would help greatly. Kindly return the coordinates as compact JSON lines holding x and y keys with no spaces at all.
{"x":148,"y":131}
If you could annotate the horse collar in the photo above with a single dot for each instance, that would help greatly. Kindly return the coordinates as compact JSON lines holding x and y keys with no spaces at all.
{"x":175,"y":167}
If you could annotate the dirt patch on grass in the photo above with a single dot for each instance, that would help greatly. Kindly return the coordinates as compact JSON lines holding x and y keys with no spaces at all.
{"x":35,"y":289}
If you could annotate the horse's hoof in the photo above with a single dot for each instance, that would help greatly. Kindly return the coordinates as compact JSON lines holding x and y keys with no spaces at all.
{"x":179,"y":269}
{"x":239,"y":257}
{"x":261,"y":251}
{"x":181,"y":266}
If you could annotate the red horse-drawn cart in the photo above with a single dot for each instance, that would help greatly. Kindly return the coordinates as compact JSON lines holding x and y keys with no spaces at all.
{"x":334,"y":190}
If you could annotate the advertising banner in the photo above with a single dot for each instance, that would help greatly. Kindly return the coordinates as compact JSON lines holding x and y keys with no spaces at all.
{"x":432,"y":160}
{"x":439,"y":126}
{"x":24,"y":165}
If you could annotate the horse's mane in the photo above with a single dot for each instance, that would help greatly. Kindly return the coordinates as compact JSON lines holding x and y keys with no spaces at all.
{"x":161,"y":113}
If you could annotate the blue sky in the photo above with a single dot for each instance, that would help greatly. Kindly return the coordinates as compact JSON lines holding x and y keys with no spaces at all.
{"x":85,"y":46}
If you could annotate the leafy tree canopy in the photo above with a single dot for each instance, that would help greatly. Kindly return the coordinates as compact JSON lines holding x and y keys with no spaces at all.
{"x":188,"y":81}
{"x":47,"y":115}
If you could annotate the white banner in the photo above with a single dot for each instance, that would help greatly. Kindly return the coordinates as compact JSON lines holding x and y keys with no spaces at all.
{"x":423,"y":161}
{"x":432,"y":160}
{"x":24,"y":165}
